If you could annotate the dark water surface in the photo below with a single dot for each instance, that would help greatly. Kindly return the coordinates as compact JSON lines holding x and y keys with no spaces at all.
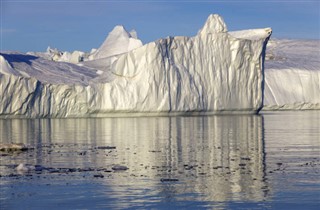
{"x":266,"y":161}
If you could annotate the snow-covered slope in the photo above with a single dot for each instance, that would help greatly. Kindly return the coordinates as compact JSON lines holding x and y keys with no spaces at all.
{"x":212,"y":72}
{"x":292,"y":75}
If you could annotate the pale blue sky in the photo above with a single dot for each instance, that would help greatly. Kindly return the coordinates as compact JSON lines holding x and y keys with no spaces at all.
{"x":32,"y":25}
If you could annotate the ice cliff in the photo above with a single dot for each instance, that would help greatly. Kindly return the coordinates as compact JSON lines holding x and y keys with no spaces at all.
{"x":292,"y":75}
{"x":213,"y":72}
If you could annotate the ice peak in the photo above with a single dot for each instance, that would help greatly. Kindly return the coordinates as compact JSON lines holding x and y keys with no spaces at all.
{"x":118,"y":31}
{"x":117,"y":42}
{"x":5,"y":67}
{"x":214,"y":24}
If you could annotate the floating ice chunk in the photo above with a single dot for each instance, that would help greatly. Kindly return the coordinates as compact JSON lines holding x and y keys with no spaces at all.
{"x":25,"y":168}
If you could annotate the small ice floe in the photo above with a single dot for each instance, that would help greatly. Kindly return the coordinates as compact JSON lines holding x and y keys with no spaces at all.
{"x":25,"y":168}
{"x":14,"y":147}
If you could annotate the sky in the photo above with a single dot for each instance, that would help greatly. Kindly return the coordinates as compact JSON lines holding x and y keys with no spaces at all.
{"x":68,"y":25}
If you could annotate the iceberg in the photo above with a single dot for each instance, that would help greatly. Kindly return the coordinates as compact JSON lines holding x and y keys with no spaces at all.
{"x":213,"y":72}
{"x":292,"y":75}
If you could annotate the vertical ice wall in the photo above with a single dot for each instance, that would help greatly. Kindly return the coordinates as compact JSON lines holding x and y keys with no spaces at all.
{"x":212,"y":72}
{"x":292,"y":76}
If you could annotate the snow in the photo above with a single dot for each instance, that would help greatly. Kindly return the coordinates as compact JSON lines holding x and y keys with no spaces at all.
{"x":212,"y":72}
{"x":47,"y":71}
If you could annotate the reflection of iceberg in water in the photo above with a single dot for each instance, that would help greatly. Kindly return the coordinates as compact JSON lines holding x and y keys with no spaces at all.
{"x":228,"y":151}
{"x":215,"y":158}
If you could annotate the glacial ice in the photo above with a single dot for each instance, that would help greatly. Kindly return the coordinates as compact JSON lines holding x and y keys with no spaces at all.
{"x":292,"y":75}
{"x":119,"y":41}
{"x":212,"y":72}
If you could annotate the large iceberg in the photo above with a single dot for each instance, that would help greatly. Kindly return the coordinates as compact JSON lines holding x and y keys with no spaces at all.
{"x":212,"y":72}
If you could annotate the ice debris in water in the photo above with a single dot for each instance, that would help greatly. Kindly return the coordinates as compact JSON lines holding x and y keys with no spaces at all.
{"x":14,"y":147}
{"x":25,"y":168}
{"x":119,"y":168}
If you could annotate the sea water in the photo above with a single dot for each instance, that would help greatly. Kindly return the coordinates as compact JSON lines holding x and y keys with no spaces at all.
{"x":265,"y":161}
